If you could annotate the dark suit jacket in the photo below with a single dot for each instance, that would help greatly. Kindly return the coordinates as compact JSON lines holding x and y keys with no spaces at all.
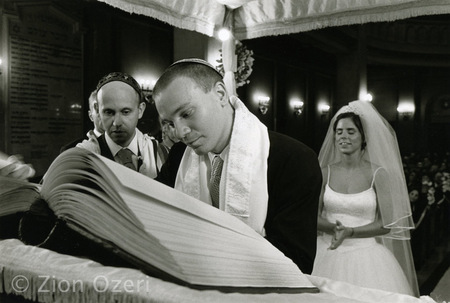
{"x":106,"y":152}
{"x":104,"y":149}
{"x":294,"y":182}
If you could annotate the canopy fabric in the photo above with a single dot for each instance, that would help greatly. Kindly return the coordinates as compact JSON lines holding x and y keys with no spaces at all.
{"x":258,"y":18}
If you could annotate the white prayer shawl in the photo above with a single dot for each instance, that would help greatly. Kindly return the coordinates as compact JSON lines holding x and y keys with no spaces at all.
{"x":92,"y":134}
{"x":244,"y":192}
{"x":145,"y":145}
{"x":149,"y":165}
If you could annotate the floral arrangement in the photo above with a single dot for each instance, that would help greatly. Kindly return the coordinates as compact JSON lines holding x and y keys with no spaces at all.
{"x":244,"y":64}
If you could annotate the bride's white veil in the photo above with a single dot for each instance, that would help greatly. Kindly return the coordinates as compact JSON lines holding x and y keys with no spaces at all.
{"x":392,"y":194}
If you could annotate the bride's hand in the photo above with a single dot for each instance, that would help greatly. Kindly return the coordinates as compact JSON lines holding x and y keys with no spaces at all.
{"x":340,"y":233}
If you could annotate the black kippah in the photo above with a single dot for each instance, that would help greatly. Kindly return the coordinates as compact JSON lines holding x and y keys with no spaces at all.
{"x":197,"y":61}
{"x":123,"y":77}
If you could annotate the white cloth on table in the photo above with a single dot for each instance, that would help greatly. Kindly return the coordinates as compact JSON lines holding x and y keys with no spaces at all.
{"x":94,"y":282}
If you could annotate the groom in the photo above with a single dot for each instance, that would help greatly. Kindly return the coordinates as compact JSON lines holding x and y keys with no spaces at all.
{"x":268,"y":180}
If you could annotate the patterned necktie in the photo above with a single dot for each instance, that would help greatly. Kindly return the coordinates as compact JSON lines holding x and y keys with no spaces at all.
{"x":125,"y":158}
{"x":214,"y":182}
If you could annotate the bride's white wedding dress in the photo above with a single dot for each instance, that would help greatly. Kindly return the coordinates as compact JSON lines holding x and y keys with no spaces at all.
{"x":360,"y":261}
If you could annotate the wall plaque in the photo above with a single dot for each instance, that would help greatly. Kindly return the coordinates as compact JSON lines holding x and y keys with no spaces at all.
{"x":44,"y":93}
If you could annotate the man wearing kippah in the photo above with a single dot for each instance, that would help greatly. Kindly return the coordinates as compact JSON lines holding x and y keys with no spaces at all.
{"x":120,"y":106}
{"x":268,"y":180}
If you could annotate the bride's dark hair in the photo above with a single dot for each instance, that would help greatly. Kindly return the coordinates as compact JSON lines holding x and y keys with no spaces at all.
{"x":357,"y":120}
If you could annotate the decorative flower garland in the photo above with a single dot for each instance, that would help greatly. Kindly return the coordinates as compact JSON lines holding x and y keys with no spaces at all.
{"x":244,"y":64}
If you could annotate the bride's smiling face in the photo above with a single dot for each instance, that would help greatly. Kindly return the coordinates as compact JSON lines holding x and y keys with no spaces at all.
{"x":348,"y":137}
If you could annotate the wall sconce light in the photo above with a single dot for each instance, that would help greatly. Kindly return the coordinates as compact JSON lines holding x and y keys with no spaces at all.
{"x":147,"y":88}
{"x":148,"y":85}
{"x":263,"y":102}
{"x":406,"y":110}
{"x":298,"y":107}
{"x":324,"y":108}
{"x":367,"y":97}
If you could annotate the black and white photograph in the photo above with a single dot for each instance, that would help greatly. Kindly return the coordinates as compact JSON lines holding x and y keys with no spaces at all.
{"x":225,"y":151}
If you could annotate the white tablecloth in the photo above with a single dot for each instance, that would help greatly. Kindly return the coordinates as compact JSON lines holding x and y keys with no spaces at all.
{"x":45,"y":276}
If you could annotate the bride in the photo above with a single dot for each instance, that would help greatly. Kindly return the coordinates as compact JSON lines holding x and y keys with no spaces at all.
{"x":364,"y":213}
